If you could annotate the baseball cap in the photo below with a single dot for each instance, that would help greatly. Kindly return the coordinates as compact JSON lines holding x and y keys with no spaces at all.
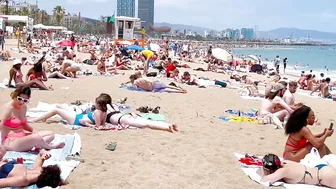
{"x":277,"y":87}
{"x":16,"y":62}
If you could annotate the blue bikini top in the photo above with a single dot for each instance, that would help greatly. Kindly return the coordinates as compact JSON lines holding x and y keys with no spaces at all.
{"x":7,"y":168}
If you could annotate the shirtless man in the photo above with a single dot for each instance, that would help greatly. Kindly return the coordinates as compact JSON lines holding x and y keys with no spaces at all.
{"x":289,"y":95}
{"x":274,"y":106}
{"x":270,"y":84}
{"x":154,"y":86}
{"x":323,"y":87}
{"x":251,"y":84}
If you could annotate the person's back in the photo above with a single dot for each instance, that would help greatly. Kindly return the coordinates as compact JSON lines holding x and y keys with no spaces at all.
{"x":144,"y":83}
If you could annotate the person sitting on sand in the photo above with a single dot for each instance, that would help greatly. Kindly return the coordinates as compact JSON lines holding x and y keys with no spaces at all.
{"x":312,"y":83}
{"x":31,"y":49}
{"x":37,"y":75}
{"x":271,"y":83}
{"x":289,"y":95}
{"x":252,"y":85}
{"x":103,"y":69}
{"x":170,"y":68}
{"x":17,"y":175}
{"x":274,"y":170}
{"x":51,"y":70}
{"x":116,"y":117}
{"x":324,"y":89}
{"x":274,"y":105}
{"x":94,"y":119}
{"x":303,"y":81}
{"x":300,"y":139}
{"x":153,"y":86}
{"x":120,"y":63}
{"x":14,"y":125}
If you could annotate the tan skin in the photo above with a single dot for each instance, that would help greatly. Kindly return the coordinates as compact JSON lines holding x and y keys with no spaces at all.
{"x":40,"y":139}
{"x":316,"y":141}
{"x":40,"y":77}
{"x":293,"y":173}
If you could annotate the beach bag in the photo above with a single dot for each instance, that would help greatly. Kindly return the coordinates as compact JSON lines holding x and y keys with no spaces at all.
{"x":313,"y":158}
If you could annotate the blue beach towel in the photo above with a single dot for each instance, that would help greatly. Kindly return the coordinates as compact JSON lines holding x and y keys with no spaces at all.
{"x":131,"y":88}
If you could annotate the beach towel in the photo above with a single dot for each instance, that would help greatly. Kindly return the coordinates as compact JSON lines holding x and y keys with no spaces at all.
{"x":154,"y":117}
{"x":251,"y":172}
{"x":237,"y":119}
{"x":132,"y":88}
{"x":72,"y":146}
{"x":251,"y":114}
{"x":251,"y":98}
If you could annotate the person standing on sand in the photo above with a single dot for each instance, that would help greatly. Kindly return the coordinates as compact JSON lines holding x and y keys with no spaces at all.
{"x":143,"y":32}
{"x":277,"y":63}
{"x":285,"y":64}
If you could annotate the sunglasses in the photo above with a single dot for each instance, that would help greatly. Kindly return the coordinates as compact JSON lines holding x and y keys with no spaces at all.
{"x":23,"y":99}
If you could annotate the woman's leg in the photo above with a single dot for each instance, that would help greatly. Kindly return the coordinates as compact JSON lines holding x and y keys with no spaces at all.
{"x":47,"y":136}
{"x":37,"y":83}
{"x":67,"y":115}
{"x":298,"y":155}
{"x":281,"y":114}
{"x":28,"y":142}
{"x":324,"y":150}
{"x":140,"y":122}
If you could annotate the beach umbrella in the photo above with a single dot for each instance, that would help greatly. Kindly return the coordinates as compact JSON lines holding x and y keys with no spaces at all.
{"x":135,"y":47}
{"x":221,"y":54}
{"x":66,"y":43}
{"x":155,"y":47}
{"x":253,"y":57}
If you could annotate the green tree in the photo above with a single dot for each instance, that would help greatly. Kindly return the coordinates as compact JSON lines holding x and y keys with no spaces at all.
{"x":59,"y":13}
{"x":44,"y":17}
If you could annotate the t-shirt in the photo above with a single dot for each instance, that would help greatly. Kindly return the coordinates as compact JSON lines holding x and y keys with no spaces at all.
{"x":171,"y":67}
{"x":148,"y":54}
{"x":277,"y":62}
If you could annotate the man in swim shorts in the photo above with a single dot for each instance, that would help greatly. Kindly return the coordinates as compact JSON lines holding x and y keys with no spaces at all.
{"x":148,"y":54}
{"x":324,"y":89}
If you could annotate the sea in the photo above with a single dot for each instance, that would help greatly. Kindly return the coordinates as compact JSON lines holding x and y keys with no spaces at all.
{"x":320,"y":59}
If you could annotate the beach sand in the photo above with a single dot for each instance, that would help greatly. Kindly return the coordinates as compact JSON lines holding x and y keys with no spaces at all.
{"x":200,"y":156}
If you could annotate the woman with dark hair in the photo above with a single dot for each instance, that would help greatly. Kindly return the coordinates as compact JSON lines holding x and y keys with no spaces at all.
{"x":95,"y":119}
{"x":38,"y":75}
{"x":15,"y":74}
{"x":295,"y":173}
{"x":300,"y":139}
{"x":16,"y":133}
{"x":14,"y":174}
{"x":116,"y":117}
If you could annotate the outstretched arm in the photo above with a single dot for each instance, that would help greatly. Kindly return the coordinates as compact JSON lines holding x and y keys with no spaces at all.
{"x":276,"y":176}
{"x":16,"y":181}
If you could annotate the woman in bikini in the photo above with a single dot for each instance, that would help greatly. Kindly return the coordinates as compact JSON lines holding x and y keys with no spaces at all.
{"x":94,"y":119}
{"x":295,"y":173}
{"x":17,"y":134}
{"x":16,"y":175}
{"x":36,"y":74}
{"x":51,"y":70}
{"x":116,"y":117}
{"x":16,"y":74}
{"x":300,"y":139}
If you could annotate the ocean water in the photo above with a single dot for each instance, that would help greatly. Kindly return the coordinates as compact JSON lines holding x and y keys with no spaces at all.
{"x":316,"y":58}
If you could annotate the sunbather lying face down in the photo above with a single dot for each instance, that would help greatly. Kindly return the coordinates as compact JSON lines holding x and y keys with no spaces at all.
{"x":13,"y":174}
{"x":93,"y":119}
{"x":300,"y":139}
{"x":16,"y":133}
{"x":116,"y":117}
{"x":296,"y":173}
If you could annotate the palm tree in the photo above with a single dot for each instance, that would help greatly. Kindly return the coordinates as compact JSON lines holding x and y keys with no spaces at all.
{"x":59,"y":13}
{"x":44,"y":17}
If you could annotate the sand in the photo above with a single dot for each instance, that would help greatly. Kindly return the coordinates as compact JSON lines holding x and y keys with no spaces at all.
{"x":200,"y":156}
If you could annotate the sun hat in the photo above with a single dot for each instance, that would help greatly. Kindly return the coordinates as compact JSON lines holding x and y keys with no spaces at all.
{"x":277,"y":87}
{"x":16,"y":62}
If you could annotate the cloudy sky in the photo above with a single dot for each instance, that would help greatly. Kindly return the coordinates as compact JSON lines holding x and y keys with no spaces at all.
{"x":221,"y":14}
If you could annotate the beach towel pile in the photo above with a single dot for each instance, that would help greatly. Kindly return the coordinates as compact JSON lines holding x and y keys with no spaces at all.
{"x":239,"y":116}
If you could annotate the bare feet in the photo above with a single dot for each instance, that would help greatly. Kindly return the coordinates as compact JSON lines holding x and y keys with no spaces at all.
{"x":173,"y":128}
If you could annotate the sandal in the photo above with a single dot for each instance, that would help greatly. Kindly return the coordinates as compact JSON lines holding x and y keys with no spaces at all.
{"x":156,"y":110}
{"x":111,"y":147}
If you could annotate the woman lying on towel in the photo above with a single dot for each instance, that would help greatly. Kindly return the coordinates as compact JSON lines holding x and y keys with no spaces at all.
{"x":193,"y":80}
{"x":17,"y":134}
{"x":95,"y":119}
{"x":37,"y":74}
{"x":300,"y":139}
{"x":296,"y":173}
{"x":153,"y":86}
{"x":274,"y":105}
{"x":15,"y":73}
{"x":16,"y":175}
{"x":116,"y":117}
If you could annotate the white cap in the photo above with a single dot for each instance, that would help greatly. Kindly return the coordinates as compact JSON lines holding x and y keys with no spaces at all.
{"x":16,"y":62}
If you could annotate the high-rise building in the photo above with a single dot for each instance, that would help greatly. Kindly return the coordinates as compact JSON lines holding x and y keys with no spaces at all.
{"x":126,"y":8}
{"x":146,"y":12}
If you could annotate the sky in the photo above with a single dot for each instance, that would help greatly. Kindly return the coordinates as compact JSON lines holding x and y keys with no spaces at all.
{"x":221,"y":14}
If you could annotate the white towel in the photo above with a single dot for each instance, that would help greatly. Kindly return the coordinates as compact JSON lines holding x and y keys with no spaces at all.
{"x":253,"y":175}
{"x":251,"y":98}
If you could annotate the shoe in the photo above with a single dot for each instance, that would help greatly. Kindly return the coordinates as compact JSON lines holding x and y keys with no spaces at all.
{"x":156,"y":110}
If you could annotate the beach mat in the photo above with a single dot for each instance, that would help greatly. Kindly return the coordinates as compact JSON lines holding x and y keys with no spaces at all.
{"x":251,"y":172}
{"x":72,"y":146}
{"x":132,"y":88}
{"x":237,"y":119}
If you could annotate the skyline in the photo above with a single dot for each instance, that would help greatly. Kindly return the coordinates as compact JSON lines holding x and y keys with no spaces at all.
{"x":222,"y":13}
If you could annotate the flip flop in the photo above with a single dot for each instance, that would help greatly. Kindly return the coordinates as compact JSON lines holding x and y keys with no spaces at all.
{"x":111,"y":147}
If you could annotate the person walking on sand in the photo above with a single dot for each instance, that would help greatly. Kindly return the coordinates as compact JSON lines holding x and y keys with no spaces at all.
{"x":277,"y":63}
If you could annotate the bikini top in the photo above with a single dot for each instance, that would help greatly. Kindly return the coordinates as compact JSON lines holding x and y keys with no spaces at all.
{"x":6,"y":169}
{"x":299,"y":143}
{"x":19,"y":74}
{"x":90,"y":116}
{"x":15,"y":123}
